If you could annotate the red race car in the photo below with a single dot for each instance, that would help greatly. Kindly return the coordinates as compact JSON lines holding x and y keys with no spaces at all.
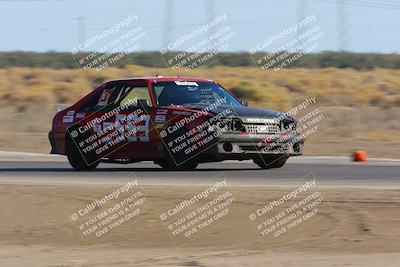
{"x":175,"y":122}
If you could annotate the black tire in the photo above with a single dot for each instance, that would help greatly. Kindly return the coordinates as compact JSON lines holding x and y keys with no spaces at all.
{"x":170,"y":164}
{"x":75,"y":158}
{"x":270,"y":161}
{"x":177,"y":161}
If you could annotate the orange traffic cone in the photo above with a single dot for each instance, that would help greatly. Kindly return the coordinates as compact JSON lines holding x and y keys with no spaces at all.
{"x":360,"y":156}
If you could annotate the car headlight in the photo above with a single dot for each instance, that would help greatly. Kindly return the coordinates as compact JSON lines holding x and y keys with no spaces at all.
{"x":225,"y":124}
{"x":288,"y":124}
{"x":212,"y":128}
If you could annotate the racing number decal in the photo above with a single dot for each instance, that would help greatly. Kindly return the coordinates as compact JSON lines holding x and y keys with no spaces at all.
{"x":126,"y":127}
{"x":130,"y":125}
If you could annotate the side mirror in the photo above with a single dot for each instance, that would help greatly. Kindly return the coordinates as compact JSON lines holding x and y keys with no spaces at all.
{"x":244,"y":102}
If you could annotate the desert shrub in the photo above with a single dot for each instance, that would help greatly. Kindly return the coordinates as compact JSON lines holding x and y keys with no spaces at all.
{"x":245,"y":90}
{"x":332,"y":86}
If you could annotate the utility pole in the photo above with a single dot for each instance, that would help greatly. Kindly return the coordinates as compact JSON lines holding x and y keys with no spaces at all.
{"x":343,"y":27}
{"x":210,"y":9}
{"x":301,"y":15}
{"x":81,"y":30}
{"x":169,"y":22}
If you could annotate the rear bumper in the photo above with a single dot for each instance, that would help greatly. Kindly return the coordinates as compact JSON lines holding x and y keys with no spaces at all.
{"x":52,"y":140}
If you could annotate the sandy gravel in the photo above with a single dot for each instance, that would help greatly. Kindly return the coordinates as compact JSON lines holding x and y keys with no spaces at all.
{"x":355,"y":227}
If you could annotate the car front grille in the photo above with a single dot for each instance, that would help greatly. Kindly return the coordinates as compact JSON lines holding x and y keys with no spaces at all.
{"x":268,"y":128}
{"x":236,"y":125}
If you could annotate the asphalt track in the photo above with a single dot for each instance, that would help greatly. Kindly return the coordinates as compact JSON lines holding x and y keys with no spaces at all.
{"x":335,"y":172}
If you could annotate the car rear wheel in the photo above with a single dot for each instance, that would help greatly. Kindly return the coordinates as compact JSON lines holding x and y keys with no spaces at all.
{"x":75,"y":158}
{"x":271,"y":161}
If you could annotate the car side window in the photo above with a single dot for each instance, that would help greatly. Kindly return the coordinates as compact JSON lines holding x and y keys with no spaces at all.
{"x":92,"y":101}
{"x":103,"y":98}
{"x":108,"y":97}
{"x":135,"y":96}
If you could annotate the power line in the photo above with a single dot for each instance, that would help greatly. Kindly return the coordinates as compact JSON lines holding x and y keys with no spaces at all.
{"x":376,"y":3}
{"x":369,"y":4}
{"x":39,"y":0}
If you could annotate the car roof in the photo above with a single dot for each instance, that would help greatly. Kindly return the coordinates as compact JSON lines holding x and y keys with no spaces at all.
{"x":162,"y":79}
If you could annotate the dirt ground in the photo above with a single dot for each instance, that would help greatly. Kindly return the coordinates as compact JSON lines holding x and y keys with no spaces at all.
{"x":355,"y":227}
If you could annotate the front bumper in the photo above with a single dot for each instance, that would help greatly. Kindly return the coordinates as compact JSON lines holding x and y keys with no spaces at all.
{"x":229,"y":145}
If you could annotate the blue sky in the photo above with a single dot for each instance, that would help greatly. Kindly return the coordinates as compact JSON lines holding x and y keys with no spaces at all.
{"x":371,"y":25}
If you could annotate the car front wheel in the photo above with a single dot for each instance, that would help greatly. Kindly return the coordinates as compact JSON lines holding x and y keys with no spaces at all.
{"x":271,"y":161}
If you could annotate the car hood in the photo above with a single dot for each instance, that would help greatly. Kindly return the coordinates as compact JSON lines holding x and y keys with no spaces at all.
{"x":246,"y":114}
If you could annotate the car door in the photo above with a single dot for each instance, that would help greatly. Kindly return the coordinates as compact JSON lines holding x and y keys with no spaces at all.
{"x":91,"y":119}
{"x":134,"y":122}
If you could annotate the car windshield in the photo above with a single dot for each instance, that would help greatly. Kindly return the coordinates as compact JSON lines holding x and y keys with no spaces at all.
{"x":191,"y":92}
